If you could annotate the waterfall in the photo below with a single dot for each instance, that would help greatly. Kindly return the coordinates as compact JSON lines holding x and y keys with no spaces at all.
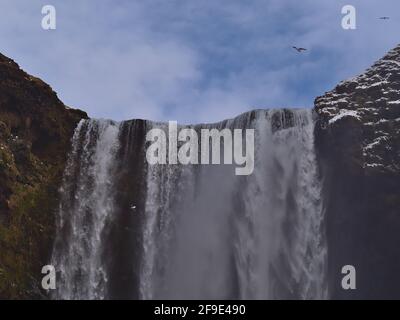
{"x":86,"y":204}
{"x":192,"y":231}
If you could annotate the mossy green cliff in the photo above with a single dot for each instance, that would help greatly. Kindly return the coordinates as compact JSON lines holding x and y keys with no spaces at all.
{"x":35,"y":132}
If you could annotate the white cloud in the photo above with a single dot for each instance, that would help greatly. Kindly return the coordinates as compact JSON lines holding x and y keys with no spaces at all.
{"x":193,"y":61}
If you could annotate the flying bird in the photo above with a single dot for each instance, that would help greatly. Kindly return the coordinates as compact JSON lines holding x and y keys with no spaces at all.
{"x":384,"y":18}
{"x":299,"y":49}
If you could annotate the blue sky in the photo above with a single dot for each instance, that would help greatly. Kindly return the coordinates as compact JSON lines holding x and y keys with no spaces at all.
{"x":194,"y":61}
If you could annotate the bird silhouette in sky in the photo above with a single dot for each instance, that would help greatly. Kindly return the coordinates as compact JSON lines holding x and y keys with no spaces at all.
{"x":299,"y":49}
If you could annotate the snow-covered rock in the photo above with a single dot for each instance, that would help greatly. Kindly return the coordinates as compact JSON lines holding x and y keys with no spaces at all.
{"x":358,"y":145}
{"x":368,"y":105}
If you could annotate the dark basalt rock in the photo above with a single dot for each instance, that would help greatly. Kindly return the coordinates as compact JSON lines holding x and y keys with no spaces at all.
{"x":358,"y":145}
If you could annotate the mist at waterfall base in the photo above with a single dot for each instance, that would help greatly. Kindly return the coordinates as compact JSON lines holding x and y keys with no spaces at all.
{"x":130,"y":230}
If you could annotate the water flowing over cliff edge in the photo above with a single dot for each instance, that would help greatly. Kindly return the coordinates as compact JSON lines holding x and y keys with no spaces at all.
{"x":192,"y":231}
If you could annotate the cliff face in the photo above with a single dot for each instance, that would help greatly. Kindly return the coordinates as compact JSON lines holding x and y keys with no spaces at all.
{"x":35,"y":132}
{"x":358,"y":141}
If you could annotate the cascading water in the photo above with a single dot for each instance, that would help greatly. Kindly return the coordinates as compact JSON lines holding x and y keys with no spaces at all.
{"x":86,"y":204}
{"x":192,"y":231}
